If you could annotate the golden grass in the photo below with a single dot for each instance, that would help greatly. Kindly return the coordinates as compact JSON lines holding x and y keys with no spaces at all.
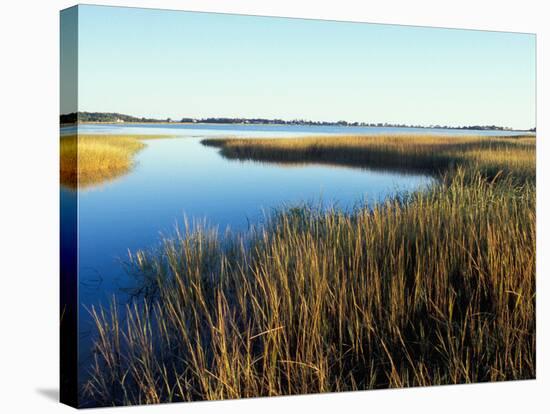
{"x":406,"y":153}
{"x":92,"y":159}
{"x":435,"y":287}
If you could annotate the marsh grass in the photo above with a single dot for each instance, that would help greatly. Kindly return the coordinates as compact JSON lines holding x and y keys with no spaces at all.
{"x":434,"y":287}
{"x":86,"y":160}
{"x":406,"y":153}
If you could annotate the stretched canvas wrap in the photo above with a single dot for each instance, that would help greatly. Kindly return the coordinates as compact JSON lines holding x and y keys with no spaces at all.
{"x":263,"y":206}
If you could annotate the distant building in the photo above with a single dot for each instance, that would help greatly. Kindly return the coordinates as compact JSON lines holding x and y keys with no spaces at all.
{"x":119,"y":121}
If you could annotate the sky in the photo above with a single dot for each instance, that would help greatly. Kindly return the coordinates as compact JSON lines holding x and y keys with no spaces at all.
{"x":158,"y":63}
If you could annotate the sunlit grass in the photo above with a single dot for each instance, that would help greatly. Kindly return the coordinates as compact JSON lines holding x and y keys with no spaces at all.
{"x":407,"y":153}
{"x":434,"y":287}
{"x":92,"y":159}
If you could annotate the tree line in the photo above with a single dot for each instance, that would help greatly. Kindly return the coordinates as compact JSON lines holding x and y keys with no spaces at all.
{"x":115,"y":117}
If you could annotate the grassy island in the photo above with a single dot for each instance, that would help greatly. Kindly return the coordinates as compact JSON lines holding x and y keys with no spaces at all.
{"x":86,"y":160}
{"x":406,"y":153}
{"x":434,"y":287}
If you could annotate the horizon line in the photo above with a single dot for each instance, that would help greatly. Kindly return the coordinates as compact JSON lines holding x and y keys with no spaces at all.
{"x":303,"y":120}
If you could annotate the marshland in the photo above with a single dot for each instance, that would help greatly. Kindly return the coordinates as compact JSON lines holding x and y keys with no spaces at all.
{"x":417,"y":153}
{"x":420,"y":270}
{"x":90,"y":159}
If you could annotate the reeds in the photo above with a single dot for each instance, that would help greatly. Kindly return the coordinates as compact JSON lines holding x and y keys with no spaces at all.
{"x":435,"y":287}
{"x":86,"y":160}
{"x":405,"y":153}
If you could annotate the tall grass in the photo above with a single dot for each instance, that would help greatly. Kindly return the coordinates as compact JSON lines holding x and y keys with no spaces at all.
{"x":435,"y":287}
{"x":86,"y":160}
{"x":406,"y":153}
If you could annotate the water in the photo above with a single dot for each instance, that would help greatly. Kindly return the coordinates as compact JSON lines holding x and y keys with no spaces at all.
{"x":272,"y":130}
{"x":179,"y":177}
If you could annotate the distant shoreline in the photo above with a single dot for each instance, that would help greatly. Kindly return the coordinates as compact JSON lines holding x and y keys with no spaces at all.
{"x":129,"y":123}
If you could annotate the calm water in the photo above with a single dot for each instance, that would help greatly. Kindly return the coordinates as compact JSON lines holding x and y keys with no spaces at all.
{"x":251,"y":130}
{"x":177,"y":178}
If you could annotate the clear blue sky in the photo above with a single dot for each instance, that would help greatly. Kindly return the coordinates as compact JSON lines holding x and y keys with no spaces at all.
{"x":162,"y":64}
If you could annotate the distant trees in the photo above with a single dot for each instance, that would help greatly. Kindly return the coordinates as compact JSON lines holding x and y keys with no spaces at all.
{"x":101,"y":117}
{"x":68,"y":118}
{"x":113,"y":117}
